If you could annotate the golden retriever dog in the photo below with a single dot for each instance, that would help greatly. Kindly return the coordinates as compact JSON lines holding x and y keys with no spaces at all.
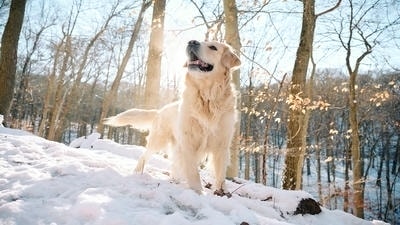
{"x":199,"y":125}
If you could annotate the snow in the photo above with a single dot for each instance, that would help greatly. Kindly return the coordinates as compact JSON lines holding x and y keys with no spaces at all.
{"x":92,"y":182}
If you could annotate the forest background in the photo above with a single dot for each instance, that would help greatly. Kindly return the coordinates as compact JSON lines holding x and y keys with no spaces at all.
{"x":82,"y":60}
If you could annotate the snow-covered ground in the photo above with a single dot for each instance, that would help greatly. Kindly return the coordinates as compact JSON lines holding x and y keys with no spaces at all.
{"x":44,"y":182}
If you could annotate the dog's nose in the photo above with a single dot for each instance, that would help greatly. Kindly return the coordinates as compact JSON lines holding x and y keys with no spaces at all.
{"x":193,"y":43}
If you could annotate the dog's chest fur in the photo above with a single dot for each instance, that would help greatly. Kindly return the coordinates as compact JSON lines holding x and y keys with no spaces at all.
{"x":210,"y":103}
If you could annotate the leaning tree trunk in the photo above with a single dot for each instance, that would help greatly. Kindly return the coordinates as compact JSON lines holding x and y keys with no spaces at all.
{"x":8,"y":54}
{"x":232,"y":38}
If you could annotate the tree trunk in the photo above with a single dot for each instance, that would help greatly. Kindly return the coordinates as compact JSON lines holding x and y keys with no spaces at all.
{"x":256,"y":168}
{"x":232,"y":38}
{"x":56,"y":124}
{"x":264,"y":154}
{"x":396,"y":157}
{"x":247,"y":164}
{"x":247,"y":135}
{"x":389,"y":209}
{"x":51,"y":86}
{"x":60,"y":94}
{"x":357,"y":166}
{"x":8,"y":54}
{"x":298,"y":121}
{"x":358,"y":181}
{"x":380,"y":169}
{"x":152,"y":88}
{"x":346,"y":200}
{"x":319,"y":182}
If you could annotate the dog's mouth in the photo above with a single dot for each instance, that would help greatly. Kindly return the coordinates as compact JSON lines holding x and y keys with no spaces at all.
{"x":195,"y":63}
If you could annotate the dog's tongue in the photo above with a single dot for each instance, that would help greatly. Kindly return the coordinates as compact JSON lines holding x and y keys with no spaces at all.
{"x":199,"y":62}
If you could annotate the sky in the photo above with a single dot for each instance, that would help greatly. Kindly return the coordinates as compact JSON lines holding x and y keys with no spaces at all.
{"x":274,"y":32}
{"x":92,"y":182}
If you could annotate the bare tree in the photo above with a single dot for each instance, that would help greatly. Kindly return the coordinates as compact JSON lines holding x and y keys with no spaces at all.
{"x":368,"y":36}
{"x":60,"y":91}
{"x":22,"y":105}
{"x":8,"y":54}
{"x":73,"y":93}
{"x":298,"y":115}
{"x":112,"y":93}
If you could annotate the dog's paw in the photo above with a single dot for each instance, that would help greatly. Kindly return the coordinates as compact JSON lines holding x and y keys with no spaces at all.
{"x":140,"y":167}
{"x":222,"y":193}
{"x":138,"y":170}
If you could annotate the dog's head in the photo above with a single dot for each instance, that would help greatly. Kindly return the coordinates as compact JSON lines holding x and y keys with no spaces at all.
{"x":210,"y":57}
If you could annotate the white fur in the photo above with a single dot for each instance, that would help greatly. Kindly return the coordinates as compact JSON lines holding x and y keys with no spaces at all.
{"x":200,"y":124}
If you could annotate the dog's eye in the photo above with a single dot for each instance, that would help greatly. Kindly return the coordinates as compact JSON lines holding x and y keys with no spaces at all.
{"x":212,"y":47}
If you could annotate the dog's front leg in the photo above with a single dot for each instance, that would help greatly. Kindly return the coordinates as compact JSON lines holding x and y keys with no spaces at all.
{"x":219,"y":147}
{"x":189,"y":162}
{"x":191,"y":136}
{"x":219,"y":161}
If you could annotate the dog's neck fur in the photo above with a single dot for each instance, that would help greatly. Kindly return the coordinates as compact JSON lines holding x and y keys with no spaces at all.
{"x":213,"y":99}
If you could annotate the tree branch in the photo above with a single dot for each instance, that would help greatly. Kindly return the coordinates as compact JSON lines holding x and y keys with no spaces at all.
{"x":329,"y":10}
{"x":255,"y":14}
{"x":201,"y":14}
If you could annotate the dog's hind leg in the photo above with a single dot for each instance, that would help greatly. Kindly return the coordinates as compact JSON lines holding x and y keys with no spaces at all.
{"x":142,"y":161}
{"x":156,"y":141}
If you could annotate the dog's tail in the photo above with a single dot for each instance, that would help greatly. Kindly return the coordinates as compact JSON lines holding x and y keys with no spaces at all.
{"x":137,"y":118}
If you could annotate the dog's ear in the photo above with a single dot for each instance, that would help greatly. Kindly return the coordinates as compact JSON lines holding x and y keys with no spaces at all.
{"x":230,"y":59}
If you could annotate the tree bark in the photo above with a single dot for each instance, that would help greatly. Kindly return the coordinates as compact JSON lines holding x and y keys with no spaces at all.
{"x":396,"y":157}
{"x":298,"y":121}
{"x":346,"y":201}
{"x":232,"y":38}
{"x":298,"y":114}
{"x":247,"y":136}
{"x":152,"y":88}
{"x":389,"y":209}
{"x":8,"y":54}
{"x":358,"y":181}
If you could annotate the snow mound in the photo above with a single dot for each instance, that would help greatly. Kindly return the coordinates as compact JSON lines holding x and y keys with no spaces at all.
{"x":85,"y":142}
{"x":92,"y":182}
